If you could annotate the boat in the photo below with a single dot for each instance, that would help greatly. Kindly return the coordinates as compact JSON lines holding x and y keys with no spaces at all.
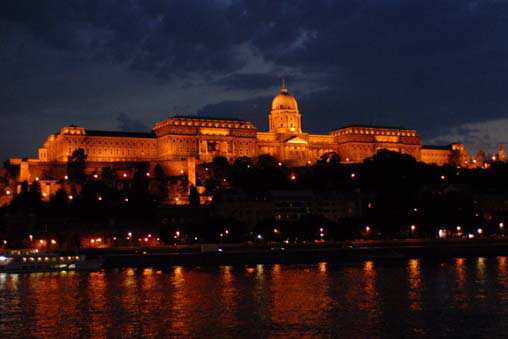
{"x":18,"y":262}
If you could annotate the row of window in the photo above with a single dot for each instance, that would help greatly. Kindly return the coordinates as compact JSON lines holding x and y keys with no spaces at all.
{"x":377,"y":132}
{"x":195,"y":123}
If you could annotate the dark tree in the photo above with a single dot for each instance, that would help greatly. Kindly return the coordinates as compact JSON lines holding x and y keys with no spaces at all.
{"x":193,"y":196}
{"x":76,"y":164}
{"x":161,"y":183}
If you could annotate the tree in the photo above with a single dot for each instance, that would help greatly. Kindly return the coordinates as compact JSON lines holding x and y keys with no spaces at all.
{"x":76,"y":164}
{"x":193,"y":196}
{"x":329,"y":159}
{"x":161,"y":183}
{"x":108,"y":176}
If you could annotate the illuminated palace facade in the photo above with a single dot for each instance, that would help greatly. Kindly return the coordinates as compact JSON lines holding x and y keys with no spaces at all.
{"x":180,"y":142}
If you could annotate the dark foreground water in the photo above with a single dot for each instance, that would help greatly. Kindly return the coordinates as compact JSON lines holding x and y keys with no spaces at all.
{"x":422,"y":298}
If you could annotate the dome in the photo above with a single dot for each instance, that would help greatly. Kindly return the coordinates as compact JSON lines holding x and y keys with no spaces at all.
{"x":284,"y":100}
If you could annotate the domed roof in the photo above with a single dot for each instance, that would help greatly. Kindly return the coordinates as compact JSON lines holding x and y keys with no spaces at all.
{"x":284,"y":100}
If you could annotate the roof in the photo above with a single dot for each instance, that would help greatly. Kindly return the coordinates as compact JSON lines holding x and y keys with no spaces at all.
{"x":120,"y":134}
{"x":373,"y":126}
{"x":200,"y":117}
{"x":436,"y":147}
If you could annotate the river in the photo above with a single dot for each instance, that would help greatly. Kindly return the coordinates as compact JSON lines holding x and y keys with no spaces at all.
{"x":461,"y":297}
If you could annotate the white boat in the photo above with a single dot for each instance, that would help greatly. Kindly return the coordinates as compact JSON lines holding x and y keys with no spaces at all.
{"x":47,"y":262}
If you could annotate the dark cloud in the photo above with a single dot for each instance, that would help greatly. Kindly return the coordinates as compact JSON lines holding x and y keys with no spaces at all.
{"x":253,"y":109}
{"x":428,"y":64}
{"x":248,"y":81}
{"x":127,"y":124}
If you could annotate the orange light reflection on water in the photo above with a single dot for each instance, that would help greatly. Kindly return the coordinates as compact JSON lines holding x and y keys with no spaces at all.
{"x":415,"y":285}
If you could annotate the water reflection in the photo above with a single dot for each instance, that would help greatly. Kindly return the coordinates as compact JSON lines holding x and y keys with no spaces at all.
{"x":415,"y":285}
{"x":460,"y":296}
{"x":300,"y":299}
{"x":502,"y":278}
{"x":365,"y":299}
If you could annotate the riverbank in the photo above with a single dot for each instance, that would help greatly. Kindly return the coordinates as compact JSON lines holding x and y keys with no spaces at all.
{"x":246,"y":254}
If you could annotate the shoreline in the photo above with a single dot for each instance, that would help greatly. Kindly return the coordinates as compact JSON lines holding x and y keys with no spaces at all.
{"x":242,"y":254}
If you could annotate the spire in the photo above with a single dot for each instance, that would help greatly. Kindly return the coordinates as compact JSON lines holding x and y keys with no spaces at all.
{"x":283,"y":87}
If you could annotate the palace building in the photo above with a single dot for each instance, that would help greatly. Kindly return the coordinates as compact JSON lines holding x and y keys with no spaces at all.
{"x":180,"y":142}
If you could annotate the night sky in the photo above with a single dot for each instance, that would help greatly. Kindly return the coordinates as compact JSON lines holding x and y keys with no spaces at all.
{"x":440,"y":67}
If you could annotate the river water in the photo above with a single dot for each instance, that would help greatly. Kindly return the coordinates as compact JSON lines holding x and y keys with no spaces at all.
{"x":462,"y":297}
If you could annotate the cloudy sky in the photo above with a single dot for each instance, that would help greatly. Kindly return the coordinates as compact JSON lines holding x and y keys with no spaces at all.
{"x":438,"y":66}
